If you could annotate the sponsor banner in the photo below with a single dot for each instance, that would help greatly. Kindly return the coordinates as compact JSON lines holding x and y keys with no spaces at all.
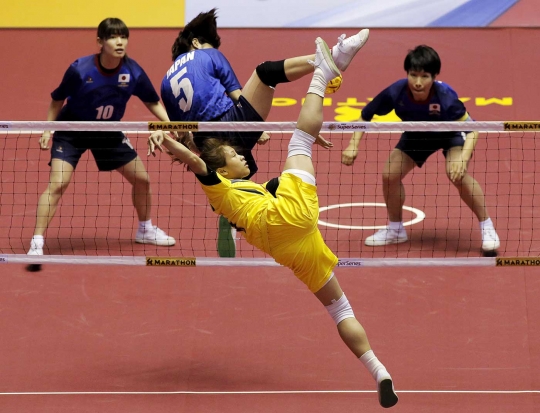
{"x":173,"y":126}
{"x":518,"y":262}
{"x":87,"y":14}
{"x":171,"y":261}
{"x":348,"y":126}
{"x":518,"y":126}
{"x":5,"y":125}
{"x":3,"y":259}
{"x":350,"y":263}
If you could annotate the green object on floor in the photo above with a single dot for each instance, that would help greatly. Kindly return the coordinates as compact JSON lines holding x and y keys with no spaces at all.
{"x":225,"y":243}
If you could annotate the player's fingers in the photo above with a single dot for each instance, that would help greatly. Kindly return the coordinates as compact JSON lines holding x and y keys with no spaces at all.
{"x":323,"y":142}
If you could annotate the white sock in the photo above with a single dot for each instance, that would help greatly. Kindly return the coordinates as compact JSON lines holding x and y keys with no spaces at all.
{"x":373,"y":365}
{"x":395,"y":225}
{"x":145,"y":224}
{"x":39,"y":241}
{"x":318,"y":83}
{"x":488,"y":223}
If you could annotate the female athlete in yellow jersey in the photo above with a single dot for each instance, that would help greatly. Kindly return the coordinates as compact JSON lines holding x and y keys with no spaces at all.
{"x":280,"y":217}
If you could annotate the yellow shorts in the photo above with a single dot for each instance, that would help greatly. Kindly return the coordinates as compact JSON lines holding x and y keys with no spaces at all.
{"x":293,"y":235}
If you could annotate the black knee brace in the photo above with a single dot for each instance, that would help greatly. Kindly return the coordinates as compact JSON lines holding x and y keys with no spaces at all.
{"x":272,"y":73}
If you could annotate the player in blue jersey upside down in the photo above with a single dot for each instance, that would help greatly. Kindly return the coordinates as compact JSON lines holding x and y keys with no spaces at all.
{"x":97,"y":88}
{"x":202,"y":86}
{"x":420,"y":98}
{"x":280,"y":216}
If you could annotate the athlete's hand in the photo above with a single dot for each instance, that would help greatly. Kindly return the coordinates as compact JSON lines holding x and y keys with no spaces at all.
{"x":349,"y":155}
{"x":154,"y":141}
{"x":457,"y":168}
{"x":319,"y":140}
{"x":44,"y":140}
{"x":263,"y":139}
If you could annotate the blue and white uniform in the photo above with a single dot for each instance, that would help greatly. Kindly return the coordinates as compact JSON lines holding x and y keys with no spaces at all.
{"x":94,"y":93}
{"x":442,"y":105}
{"x":196,"y":88}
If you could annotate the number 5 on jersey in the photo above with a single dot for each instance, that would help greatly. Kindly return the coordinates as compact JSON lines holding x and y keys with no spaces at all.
{"x":179,"y":85}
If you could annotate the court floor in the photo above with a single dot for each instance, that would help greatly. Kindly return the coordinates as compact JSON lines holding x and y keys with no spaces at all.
{"x":138,"y":339}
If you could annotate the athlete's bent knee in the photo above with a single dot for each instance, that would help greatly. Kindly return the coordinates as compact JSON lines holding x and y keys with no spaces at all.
{"x":340,"y":310}
{"x":272,"y":73}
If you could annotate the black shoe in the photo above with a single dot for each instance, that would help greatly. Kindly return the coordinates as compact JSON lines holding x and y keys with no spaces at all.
{"x":387,"y":395}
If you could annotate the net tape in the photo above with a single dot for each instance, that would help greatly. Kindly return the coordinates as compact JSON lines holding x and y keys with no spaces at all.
{"x":491,"y":126}
{"x":35,"y":127}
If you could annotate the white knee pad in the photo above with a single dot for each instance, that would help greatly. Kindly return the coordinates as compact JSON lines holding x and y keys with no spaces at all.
{"x":300,"y":143}
{"x":340,"y":310}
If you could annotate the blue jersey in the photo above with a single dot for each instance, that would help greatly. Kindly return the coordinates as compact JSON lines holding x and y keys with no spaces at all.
{"x":442,"y":105}
{"x":93,"y":94}
{"x":195,"y":87}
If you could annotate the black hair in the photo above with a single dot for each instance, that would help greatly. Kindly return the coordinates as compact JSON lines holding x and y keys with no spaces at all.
{"x":213,"y":152}
{"x":203,"y":27}
{"x":110,"y":27}
{"x":423,"y":58}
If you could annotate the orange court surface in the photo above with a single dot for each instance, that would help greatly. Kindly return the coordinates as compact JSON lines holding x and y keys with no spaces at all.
{"x":227,"y":339}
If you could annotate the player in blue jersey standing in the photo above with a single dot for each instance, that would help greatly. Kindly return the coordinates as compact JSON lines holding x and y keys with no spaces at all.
{"x":97,"y":88}
{"x":420,"y":98}
{"x":280,"y":216}
{"x":202,"y":86}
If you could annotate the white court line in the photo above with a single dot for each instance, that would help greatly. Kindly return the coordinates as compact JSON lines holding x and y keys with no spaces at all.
{"x":265,"y":392}
{"x":420,"y":215}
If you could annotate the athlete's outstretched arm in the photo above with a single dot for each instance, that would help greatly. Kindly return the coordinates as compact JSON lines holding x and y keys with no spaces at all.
{"x":157,"y":109}
{"x":159,"y":139}
{"x":52,"y":114}
{"x":350,"y":153}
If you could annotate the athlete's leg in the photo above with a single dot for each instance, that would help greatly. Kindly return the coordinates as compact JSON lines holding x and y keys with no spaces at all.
{"x":354,"y":336}
{"x":350,"y":330}
{"x":59,"y":179}
{"x":259,"y":89}
{"x":311,"y":114}
{"x":141,"y":195}
{"x":472,"y":194}
{"x":398,"y":165}
{"x":469,"y":189}
{"x":260,"y":94}
{"x":309,"y":122}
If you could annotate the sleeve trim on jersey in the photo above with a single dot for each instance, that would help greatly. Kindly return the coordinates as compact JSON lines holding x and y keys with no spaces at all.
{"x":210,"y":179}
{"x":272,"y":186}
{"x":464,"y":117}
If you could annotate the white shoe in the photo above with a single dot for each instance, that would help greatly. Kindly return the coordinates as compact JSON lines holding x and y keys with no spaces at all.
{"x":155,"y":236}
{"x":324,"y":61}
{"x":385,"y":389}
{"x":344,"y":51}
{"x":490,"y":239}
{"x":387,"y":236}
{"x":36,"y":247}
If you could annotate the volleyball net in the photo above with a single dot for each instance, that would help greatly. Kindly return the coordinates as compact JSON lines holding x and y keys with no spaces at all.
{"x":96,"y":222}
